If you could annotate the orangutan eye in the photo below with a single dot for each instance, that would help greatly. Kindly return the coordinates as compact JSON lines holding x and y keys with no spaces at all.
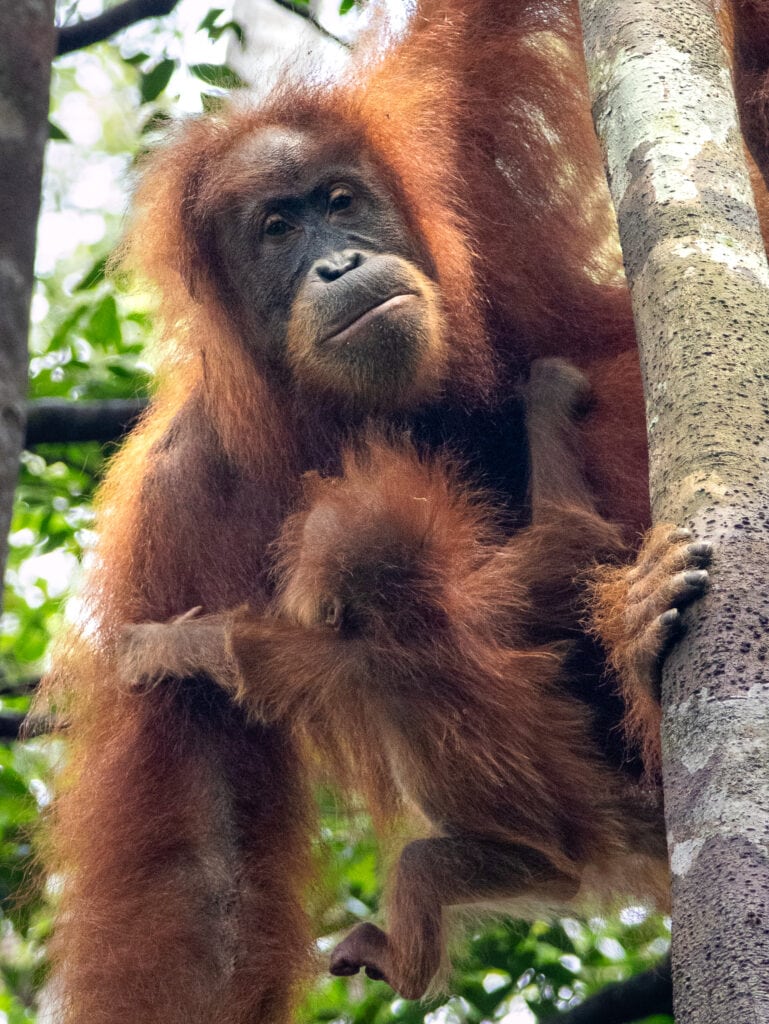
{"x":276,"y":226}
{"x":340,"y":199}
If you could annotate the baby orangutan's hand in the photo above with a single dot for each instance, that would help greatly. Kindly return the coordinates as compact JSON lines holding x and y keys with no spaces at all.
{"x":189,"y":645}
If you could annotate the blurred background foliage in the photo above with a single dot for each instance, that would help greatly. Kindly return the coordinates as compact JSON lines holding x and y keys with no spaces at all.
{"x":89,"y":339}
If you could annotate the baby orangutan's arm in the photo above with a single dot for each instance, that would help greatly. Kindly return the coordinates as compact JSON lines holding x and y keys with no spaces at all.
{"x":266,"y":664}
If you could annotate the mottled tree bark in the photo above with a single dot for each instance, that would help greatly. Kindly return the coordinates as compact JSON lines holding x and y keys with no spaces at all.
{"x":27,"y":41}
{"x":696,"y":266}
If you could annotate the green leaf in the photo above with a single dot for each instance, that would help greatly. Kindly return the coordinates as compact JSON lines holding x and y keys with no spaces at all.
{"x":219,"y":75}
{"x":103,"y":328}
{"x":218,"y":31}
{"x":346,"y":5}
{"x":56,"y":133}
{"x":31,"y":645}
{"x":155,"y":81}
{"x":236,"y":29}
{"x":210,"y":19}
{"x":60,"y":336}
{"x":119,"y":370}
{"x":94,"y":276}
{"x":138,"y":58}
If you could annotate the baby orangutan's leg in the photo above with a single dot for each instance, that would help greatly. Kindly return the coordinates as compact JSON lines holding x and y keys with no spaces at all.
{"x":635,"y":615}
{"x":433,"y":874}
{"x":556,"y":395}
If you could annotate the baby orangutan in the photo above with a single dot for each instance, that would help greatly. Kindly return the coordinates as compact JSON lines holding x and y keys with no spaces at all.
{"x":431,"y":665}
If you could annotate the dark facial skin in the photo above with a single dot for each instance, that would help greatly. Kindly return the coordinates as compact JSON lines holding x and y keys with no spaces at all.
{"x":325,"y":276}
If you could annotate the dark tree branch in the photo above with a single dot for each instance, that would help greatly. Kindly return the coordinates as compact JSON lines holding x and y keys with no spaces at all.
{"x":58,"y":421}
{"x":23,"y":688}
{"x":10,"y":725}
{"x":304,"y":11}
{"x":13,"y":723}
{"x":83,"y":33}
{"x":16,"y":725}
{"x":644,"y":995}
{"x":19,"y":725}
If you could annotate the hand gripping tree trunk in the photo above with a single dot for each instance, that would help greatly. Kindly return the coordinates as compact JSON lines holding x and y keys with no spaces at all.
{"x":696,"y":266}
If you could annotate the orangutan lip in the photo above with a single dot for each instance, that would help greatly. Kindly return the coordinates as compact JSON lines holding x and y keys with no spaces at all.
{"x":393,"y":301}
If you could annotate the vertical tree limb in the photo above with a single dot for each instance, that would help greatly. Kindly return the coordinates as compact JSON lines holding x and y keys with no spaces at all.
{"x":695,"y":262}
{"x":27,"y":41}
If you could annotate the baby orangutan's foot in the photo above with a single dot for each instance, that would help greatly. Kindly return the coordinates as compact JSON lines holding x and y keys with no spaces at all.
{"x":557,"y":389}
{"x":636,"y":615}
{"x":369,"y":947}
{"x":668,"y":574}
{"x":365,"y":946}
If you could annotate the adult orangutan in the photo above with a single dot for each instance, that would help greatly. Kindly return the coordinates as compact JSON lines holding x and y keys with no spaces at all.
{"x":380,"y":257}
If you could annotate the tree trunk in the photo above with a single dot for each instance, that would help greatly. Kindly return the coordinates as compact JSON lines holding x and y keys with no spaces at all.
{"x":700,"y":284}
{"x":27,"y":42}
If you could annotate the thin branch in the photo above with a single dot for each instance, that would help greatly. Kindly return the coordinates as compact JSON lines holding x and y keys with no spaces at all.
{"x":94,"y":30}
{"x":303,"y":10}
{"x":58,"y":421}
{"x":643,"y":996}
